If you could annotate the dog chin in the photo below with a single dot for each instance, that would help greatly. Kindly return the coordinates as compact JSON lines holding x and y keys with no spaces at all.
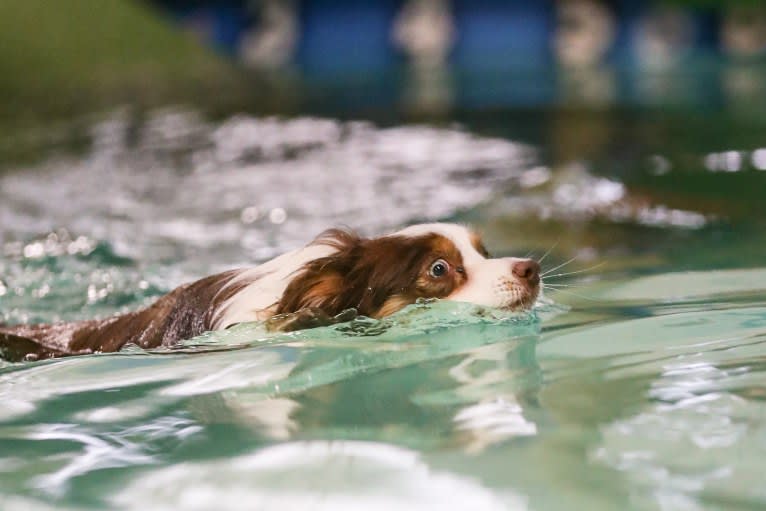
{"x":523,"y":303}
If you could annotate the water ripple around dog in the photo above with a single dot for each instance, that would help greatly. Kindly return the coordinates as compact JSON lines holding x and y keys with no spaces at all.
{"x":217,"y":194}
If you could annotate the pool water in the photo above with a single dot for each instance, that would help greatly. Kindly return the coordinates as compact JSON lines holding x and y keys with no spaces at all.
{"x":638,"y":381}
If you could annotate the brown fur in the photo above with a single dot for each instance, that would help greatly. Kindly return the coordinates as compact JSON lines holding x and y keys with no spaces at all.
{"x":374,"y":276}
{"x":181,"y":314}
{"x":393,"y":304}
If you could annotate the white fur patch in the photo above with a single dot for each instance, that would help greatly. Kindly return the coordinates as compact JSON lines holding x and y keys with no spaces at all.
{"x":268,"y":282}
{"x":489,"y":282}
{"x":457,"y":234}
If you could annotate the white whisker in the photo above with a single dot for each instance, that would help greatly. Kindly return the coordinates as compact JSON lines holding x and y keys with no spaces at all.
{"x":577,"y":271}
{"x":557,"y":267}
{"x":548,"y":252}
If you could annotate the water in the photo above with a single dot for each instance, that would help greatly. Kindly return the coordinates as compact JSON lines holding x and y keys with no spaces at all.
{"x":639,"y":385}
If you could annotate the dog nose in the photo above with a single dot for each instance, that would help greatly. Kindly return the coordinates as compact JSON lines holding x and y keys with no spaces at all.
{"x":527,"y":270}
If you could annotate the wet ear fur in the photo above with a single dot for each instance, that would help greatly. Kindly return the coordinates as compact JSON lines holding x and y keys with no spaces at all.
{"x":314,"y":289}
{"x":364,"y":274}
{"x":319,"y":284}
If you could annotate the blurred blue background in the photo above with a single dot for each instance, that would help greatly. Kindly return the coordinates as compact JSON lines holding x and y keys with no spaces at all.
{"x":489,"y":52}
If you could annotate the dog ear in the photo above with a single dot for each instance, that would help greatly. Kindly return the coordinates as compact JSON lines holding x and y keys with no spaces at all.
{"x":323,"y":283}
{"x":316,"y":288}
{"x":373,"y":276}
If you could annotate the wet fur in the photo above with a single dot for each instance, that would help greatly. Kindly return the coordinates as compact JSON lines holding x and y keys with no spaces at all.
{"x":362,"y":275}
{"x":357,"y":275}
{"x":340,"y":274}
{"x":181,"y":314}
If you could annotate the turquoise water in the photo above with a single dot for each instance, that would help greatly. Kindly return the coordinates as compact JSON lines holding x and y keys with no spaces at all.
{"x":639,"y":380}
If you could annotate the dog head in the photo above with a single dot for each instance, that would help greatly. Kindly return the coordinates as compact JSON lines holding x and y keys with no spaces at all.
{"x":379,"y":276}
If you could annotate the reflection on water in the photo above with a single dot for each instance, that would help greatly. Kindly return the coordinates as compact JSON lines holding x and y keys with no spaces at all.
{"x":439,"y":394}
{"x":308,"y":384}
{"x":363,"y":474}
{"x":637,"y":383}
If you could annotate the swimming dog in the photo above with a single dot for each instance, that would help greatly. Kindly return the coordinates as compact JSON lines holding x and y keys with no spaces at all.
{"x":336,"y":276}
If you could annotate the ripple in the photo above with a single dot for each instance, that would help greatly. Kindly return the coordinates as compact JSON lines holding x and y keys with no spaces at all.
{"x":97,"y":453}
{"x":493,"y":421}
{"x":678,"y":286}
{"x":73,"y":450}
{"x":705,"y":446}
{"x":315,"y":475}
{"x":188,"y":189}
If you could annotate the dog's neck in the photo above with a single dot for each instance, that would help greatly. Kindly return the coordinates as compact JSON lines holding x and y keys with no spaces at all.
{"x":262,"y":287}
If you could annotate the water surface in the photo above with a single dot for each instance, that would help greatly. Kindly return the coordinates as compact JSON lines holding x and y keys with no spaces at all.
{"x":640,"y":384}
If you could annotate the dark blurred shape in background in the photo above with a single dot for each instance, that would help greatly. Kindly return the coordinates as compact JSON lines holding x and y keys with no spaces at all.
{"x":416,"y":55}
{"x":313,"y":34}
{"x":59,"y":58}
{"x":488,"y":52}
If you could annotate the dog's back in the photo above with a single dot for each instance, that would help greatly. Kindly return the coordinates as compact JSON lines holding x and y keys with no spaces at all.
{"x":181,"y":314}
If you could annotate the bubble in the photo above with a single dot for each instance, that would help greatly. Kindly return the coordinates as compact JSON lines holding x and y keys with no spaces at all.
{"x":34,"y":250}
{"x":732,"y":161}
{"x":759,"y":159}
{"x":277,"y":216}
{"x":535,"y":177}
{"x":249,"y":215}
{"x":659,"y":165}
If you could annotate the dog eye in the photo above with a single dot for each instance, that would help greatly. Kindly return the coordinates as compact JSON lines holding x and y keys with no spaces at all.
{"x":438,"y":268}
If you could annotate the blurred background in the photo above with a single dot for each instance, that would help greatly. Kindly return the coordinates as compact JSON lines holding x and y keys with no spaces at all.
{"x":147,"y":143}
{"x":222,"y":132}
{"x":417,"y":55}
{"x":636,"y":114}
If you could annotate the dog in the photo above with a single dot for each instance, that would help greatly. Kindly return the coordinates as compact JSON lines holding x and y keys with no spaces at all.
{"x":336,"y":276}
